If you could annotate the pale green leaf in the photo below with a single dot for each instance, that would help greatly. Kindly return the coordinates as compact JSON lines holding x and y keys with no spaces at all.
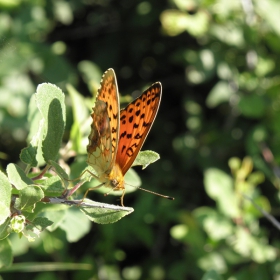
{"x":55,"y":213}
{"x":145,"y":158}
{"x":229,"y":33}
{"x":35,"y":136}
{"x":91,"y":74}
{"x":102,"y":213}
{"x":269,"y":12}
{"x":17,"y":177}
{"x":28,"y":197}
{"x":220,"y":93}
{"x":179,"y":231}
{"x":75,"y":224}
{"x":213,"y":260}
{"x":80,"y":126}
{"x":175,"y":22}
{"x":217,"y":226}
{"x":5,"y":229}
{"x":219,"y":186}
{"x":6,"y":254}
{"x":252,"y":247}
{"x":5,"y":197}
{"x":63,"y":12}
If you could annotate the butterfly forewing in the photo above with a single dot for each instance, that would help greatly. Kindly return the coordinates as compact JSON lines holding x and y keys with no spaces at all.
{"x":103,"y":139}
{"x":135,"y":123}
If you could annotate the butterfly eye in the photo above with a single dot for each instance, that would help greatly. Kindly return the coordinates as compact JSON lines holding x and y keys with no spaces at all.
{"x":114,"y":183}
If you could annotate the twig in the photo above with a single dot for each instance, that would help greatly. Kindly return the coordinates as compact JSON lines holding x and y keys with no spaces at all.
{"x":39,"y":176}
{"x":267,"y":215}
{"x":57,"y":200}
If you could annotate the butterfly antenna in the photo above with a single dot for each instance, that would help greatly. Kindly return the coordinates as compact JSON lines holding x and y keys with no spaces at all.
{"x":158,"y":194}
{"x":155,"y":193}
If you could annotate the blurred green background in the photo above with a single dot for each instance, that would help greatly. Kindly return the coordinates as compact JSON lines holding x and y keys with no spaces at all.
{"x":217,"y":130}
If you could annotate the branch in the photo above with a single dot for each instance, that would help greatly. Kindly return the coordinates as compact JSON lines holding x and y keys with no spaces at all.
{"x":267,"y":215}
{"x":80,"y":203}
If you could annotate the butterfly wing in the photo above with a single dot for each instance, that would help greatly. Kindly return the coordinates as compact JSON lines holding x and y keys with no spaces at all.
{"x":135,"y":123}
{"x":104,"y":135}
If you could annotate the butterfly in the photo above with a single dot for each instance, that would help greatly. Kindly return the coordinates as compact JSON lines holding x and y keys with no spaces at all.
{"x":116,"y":135}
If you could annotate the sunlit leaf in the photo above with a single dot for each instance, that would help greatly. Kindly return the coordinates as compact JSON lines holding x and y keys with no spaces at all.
{"x":102,"y":213}
{"x":5,"y":194}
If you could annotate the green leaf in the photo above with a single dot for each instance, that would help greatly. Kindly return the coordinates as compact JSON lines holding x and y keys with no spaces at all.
{"x":50,"y":102}
{"x":5,"y":229}
{"x":56,"y":217}
{"x":17,"y":177}
{"x":179,"y":232}
{"x":28,"y":155}
{"x":60,"y":172}
{"x":268,"y":10}
{"x":252,"y":106}
{"x":80,"y":117}
{"x":264,"y":66}
{"x":5,"y":197}
{"x":28,"y":197}
{"x":145,"y":158}
{"x":211,"y":275}
{"x":52,"y":186}
{"x":229,"y":33}
{"x":219,"y":186}
{"x":220,"y":93}
{"x":6,"y":254}
{"x":217,"y":226}
{"x":102,"y":213}
{"x":131,"y":181}
{"x":35,"y":136}
{"x":76,"y":138}
{"x":33,"y":118}
{"x":55,"y":213}
{"x":213,"y":260}
{"x":75,"y":224}
{"x":39,"y":224}
{"x":252,"y":247}
{"x":91,"y":74}
{"x":175,"y":22}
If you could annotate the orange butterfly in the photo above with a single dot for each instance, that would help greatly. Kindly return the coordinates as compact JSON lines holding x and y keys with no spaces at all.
{"x":117,"y":135}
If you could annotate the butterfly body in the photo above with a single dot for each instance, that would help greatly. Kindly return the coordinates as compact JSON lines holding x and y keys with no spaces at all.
{"x":117,"y":135}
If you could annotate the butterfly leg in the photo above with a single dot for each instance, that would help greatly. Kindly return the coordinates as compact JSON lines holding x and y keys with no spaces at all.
{"x":73,"y":190}
{"x":116,"y":189}
{"x":90,"y":189}
{"x":122,"y":197}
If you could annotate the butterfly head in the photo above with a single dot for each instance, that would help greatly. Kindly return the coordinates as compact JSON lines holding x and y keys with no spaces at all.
{"x":116,"y":178}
